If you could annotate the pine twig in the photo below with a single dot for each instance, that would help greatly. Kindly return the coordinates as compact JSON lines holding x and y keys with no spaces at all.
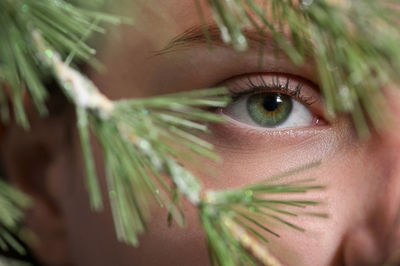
{"x":12,"y":204}
{"x":236,"y":221}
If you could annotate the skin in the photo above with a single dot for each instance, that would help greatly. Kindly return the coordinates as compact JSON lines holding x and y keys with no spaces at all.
{"x":362,"y":176}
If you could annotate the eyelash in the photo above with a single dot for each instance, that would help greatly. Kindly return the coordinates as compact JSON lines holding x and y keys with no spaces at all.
{"x":252,"y":88}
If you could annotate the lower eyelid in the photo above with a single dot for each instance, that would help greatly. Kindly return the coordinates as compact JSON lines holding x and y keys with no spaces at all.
{"x":234,"y":134}
{"x":272,"y":131}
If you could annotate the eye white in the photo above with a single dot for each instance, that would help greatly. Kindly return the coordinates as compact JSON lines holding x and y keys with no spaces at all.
{"x":299,"y":115}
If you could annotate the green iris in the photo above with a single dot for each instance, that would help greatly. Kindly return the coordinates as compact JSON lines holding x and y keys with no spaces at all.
{"x":269,"y":109}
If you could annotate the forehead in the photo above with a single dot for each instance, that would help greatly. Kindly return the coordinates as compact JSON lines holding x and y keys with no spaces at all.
{"x":160,"y":22}
{"x":157,"y":25}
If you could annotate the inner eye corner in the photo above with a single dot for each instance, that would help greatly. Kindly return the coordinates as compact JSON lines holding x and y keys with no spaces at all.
{"x":320,"y":121}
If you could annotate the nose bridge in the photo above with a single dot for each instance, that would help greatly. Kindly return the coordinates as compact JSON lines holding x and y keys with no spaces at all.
{"x":389,"y":202}
{"x":388,"y":157}
{"x":372,"y":240}
{"x":388,"y":152}
{"x":375,"y":238}
{"x":383,"y":222}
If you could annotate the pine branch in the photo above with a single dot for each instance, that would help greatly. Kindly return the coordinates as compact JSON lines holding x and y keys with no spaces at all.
{"x":138,"y":138}
{"x":135,"y":136}
{"x":21,"y":69}
{"x":236,"y":221}
{"x":12,"y":203}
{"x":5,"y":261}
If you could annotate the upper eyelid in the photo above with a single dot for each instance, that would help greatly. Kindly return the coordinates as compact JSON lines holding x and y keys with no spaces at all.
{"x":295,"y":94}
{"x":249,"y":86}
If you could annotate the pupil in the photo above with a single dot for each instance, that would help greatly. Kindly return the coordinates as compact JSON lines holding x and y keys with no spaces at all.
{"x":271,"y":103}
{"x":269,"y":109}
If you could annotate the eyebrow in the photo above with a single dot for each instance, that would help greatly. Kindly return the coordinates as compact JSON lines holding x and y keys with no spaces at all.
{"x":211,"y":35}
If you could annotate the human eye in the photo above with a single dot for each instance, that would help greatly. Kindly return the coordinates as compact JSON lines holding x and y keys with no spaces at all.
{"x":273,"y":101}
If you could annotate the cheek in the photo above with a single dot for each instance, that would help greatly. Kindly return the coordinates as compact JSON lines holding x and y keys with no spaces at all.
{"x":248,"y":157}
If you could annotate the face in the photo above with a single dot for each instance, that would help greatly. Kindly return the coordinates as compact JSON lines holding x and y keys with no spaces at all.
{"x":275,"y":123}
